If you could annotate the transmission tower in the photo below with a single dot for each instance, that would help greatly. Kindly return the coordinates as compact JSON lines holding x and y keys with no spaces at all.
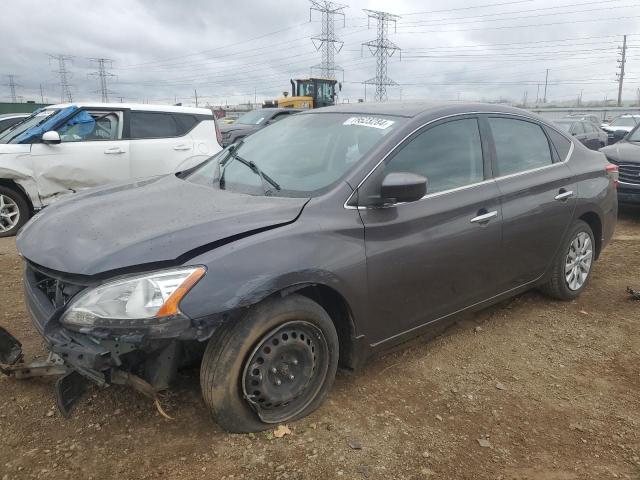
{"x":381,"y":48}
{"x":65,"y":87}
{"x":12,"y":88}
{"x":621,"y":62}
{"x":327,"y":40}
{"x":102,"y":76}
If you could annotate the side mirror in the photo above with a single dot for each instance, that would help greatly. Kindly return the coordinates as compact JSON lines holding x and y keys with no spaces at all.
{"x":51,"y":137}
{"x":403,"y":187}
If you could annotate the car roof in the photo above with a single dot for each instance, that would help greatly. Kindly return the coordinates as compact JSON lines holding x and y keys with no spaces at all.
{"x":415,"y":109}
{"x":13,"y":115}
{"x":137,"y":106}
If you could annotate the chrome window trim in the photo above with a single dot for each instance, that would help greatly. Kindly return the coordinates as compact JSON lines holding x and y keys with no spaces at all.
{"x":464,"y":187}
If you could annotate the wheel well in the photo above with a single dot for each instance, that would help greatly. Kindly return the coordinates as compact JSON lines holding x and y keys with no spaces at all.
{"x":17,"y":188}
{"x":593,"y":220}
{"x":338,"y":309}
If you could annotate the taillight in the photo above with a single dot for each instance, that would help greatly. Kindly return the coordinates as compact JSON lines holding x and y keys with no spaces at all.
{"x":612,"y":171}
{"x":218,"y":133}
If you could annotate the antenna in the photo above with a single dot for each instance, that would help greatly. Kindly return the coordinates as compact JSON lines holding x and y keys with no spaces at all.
{"x":381,"y":48}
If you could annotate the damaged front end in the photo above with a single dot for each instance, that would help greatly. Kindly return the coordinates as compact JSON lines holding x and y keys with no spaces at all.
{"x":126,"y":331}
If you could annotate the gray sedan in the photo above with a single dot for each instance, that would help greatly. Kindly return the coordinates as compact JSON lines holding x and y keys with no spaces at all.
{"x":251,"y":122}
{"x":321,"y":240}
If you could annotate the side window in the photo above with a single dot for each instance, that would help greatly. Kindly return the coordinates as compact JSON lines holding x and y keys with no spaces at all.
{"x":86,"y":126}
{"x":449,"y":155}
{"x":561,"y":144}
{"x":520,"y":145}
{"x":185,"y":122}
{"x":152,"y":125}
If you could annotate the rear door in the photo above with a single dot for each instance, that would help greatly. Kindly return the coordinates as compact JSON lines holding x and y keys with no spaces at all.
{"x":160,"y":142}
{"x":92,"y":152}
{"x":432,"y":257}
{"x":537,"y":194}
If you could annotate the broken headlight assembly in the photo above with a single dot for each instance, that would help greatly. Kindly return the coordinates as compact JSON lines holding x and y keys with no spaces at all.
{"x":146,"y":300}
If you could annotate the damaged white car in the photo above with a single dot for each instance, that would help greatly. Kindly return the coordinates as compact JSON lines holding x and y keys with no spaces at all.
{"x":65,"y":148}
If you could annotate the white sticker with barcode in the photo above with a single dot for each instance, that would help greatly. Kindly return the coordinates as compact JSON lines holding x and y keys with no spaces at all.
{"x":371,"y":122}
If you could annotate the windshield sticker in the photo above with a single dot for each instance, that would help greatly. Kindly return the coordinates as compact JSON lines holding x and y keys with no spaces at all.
{"x":371,"y":122}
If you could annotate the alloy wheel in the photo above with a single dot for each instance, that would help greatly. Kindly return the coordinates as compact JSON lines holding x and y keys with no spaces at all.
{"x":9,"y":213}
{"x":285,"y":371}
{"x":578,"y":261}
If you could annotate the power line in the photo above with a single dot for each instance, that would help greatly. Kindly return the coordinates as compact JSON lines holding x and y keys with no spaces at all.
{"x":65,"y":87}
{"x":102,"y":76}
{"x":381,"y":48}
{"x":621,"y":62}
{"x":327,"y":40}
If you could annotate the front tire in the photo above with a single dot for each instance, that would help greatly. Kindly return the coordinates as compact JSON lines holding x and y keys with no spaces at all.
{"x":274,"y":365}
{"x":572,"y":267}
{"x":14,"y":211}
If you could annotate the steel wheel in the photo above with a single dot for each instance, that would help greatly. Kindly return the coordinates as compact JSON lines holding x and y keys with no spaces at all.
{"x":578,"y":261}
{"x":285,"y":371}
{"x":9,"y":213}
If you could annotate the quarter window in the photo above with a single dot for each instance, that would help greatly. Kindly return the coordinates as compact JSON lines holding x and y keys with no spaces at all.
{"x":449,"y":155}
{"x":520,"y":145}
{"x":560,"y":142}
{"x":153,"y":125}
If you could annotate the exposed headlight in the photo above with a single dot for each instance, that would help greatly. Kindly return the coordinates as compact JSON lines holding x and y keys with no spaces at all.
{"x":140,"y":300}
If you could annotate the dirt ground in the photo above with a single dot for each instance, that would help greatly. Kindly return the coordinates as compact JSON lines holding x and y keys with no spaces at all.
{"x":529,"y":389}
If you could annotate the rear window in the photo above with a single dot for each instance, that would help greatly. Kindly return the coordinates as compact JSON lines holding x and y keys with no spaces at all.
{"x":161,"y":124}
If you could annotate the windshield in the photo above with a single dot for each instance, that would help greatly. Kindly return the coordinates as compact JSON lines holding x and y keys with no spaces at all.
{"x":255,"y":117}
{"x":624,"y":122}
{"x":305,"y":155}
{"x":36,"y":118}
{"x":566,"y":126}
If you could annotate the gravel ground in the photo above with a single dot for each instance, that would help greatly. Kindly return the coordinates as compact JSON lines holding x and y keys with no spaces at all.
{"x":529,"y":389}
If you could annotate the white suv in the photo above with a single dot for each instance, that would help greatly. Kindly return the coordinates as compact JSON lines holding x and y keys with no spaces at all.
{"x":65,"y":148}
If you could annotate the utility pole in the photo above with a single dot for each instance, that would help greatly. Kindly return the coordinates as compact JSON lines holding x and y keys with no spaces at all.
{"x":12,"y":88}
{"x":195,"y":93}
{"x":102,"y":76}
{"x":381,"y":48}
{"x":621,"y":63}
{"x":538,"y":95}
{"x":65,"y":87}
{"x":524,"y":98}
{"x":327,"y":40}
{"x":546,"y":82}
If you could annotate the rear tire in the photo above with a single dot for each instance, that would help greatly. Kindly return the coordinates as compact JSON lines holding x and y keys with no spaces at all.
{"x":14,"y":211}
{"x":274,"y":365}
{"x":572,"y":267}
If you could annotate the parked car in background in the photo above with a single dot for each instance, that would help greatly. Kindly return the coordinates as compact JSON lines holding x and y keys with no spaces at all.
{"x":585,"y":131}
{"x":251,"y":122}
{"x":620,"y":126}
{"x":9,"y":119}
{"x":325,"y":238}
{"x":626,"y":155}
{"x":65,"y":148}
{"x":589,"y":117}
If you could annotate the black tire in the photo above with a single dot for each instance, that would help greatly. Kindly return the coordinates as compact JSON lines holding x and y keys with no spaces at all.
{"x":557,"y":286}
{"x":23,"y":210}
{"x":233,"y":347}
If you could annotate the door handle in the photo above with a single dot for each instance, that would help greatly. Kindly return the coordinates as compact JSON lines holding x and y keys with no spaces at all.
{"x":563,"y":195}
{"x":182,"y":147}
{"x":113,"y":150}
{"x":484,"y":217}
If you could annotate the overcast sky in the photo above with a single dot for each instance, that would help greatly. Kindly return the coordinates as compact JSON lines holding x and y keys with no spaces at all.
{"x":233,"y":51}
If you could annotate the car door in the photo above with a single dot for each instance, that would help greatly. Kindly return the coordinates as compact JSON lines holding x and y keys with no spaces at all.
{"x":429,"y":258}
{"x":92,"y":152}
{"x":537,"y":194}
{"x":159,"y":143}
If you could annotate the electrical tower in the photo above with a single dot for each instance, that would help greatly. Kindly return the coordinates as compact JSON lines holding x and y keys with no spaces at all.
{"x":621,"y":63}
{"x":12,"y":88}
{"x":327,"y":40}
{"x":102,"y":76}
{"x":65,"y":87}
{"x":381,"y":48}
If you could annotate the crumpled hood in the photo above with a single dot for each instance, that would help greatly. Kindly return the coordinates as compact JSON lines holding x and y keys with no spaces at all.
{"x":623,"y":152}
{"x":158,"y":220}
